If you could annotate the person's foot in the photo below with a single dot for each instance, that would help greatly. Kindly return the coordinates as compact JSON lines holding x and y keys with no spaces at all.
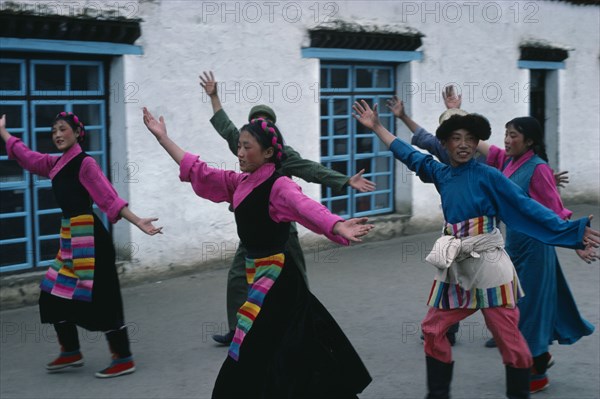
{"x":224,"y":339}
{"x":66,"y":359}
{"x":117,"y":367}
{"x":490,"y":343}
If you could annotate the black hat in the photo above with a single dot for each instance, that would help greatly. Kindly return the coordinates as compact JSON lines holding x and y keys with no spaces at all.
{"x":475,"y":124}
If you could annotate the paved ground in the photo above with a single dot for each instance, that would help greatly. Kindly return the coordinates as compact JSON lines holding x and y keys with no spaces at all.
{"x":376,"y":291}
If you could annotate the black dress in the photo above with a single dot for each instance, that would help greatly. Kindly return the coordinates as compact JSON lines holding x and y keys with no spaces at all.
{"x":294,"y":348}
{"x":105,"y":310}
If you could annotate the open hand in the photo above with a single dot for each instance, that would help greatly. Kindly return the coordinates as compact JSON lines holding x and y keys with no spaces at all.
{"x":588,"y":255}
{"x":363,"y":113}
{"x":157,"y":127}
{"x":396,"y":106}
{"x":208,"y":83}
{"x":353,"y":229}
{"x":591,"y":237}
{"x":561,"y":178}
{"x":145,"y":224}
{"x":451,"y":100}
{"x":358,"y":182}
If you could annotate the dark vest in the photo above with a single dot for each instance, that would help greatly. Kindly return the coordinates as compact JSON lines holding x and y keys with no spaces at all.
{"x":70,"y":194}
{"x":258,"y":232}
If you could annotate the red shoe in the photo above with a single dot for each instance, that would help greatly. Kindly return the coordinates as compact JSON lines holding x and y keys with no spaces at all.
{"x":538,"y":384}
{"x":118,"y":367}
{"x":66,"y":359}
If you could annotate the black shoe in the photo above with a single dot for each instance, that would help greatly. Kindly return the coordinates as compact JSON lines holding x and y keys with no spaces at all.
{"x":490,"y":343}
{"x":224,"y":339}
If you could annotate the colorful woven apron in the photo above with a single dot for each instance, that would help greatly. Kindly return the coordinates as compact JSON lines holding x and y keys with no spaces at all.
{"x":261,"y":274}
{"x":71,"y":273}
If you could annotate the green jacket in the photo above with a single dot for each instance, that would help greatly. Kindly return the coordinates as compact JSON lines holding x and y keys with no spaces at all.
{"x":294,"y":165}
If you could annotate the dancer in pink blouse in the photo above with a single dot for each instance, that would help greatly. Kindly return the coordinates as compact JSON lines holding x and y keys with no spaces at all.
{"x":286,"y":344}
{"x":81,"y":286}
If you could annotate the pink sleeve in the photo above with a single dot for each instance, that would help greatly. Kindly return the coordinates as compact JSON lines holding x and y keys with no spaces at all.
{"x":542,"y":188}
{"x":496,"y":157}
{"x":214,"y":184}
{"x":100,"y":189}
{"x":35,"y":162}
{"x":289,"y":204}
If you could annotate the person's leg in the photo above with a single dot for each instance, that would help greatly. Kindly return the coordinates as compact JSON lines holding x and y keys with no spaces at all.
{"x":438,"y":350}
{"x":70,"y":355}
{"x":504,"y":325}
{"x":122,"y":363}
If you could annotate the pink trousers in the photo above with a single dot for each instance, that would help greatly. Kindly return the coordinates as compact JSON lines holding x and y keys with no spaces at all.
{"x":502,"y":322}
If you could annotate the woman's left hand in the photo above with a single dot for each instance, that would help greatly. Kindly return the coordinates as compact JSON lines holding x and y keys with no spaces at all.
{"x":591,"y":237}
{"x":588,"y":255}
{"x":353,"y":229}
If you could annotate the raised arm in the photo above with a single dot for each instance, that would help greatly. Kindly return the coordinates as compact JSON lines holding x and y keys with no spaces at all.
{"x":159,"y":129}
{"x":220,"y":120}
{"x":397,"y":107}
{"x":35,"y":162}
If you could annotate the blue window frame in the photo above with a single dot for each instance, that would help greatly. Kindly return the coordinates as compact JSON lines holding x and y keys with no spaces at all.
{"x":33,"y":91}
{"x":346,"y":146}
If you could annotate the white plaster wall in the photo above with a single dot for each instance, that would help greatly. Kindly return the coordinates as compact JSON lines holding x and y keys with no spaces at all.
{"x":478,"y":50}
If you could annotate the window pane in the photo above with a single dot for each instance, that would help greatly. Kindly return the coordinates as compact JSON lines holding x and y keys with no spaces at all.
{"x":12,"y":201}
{"x":364,"y":164}
{"x":43,"y":142}
{"x":364,"y":145}
{"x":49,"y":248}
{"x":382,"y":201}
{"x":10,"y":77}
{"x":50,"y":77}
{"x":12,"y":228}
{"x":339,"y":78}
{"x":324,"y":127}
{"x":340,"y":147}
{"x":382,"y":182}
{"x":46,"y":199}
{"x":92,"y":140}
{"x":340,"y":127}
{"x":383,"y":78}
{"x":382,"y":164}
{"x":362,"y":203}
{"x":339,"y":207}
{"x":364,"y":78}
{"x":324,"y":83}
{"x":324,"y":107}
{"x":46,"y":113}
{"x":341,"y":167}
{"x":340,"y":106}
{"x":89,"y":114}
{"x":49,"y":224}
{"x":324,"y":149}
{"x":14,"y":116}
{"x":85,"y":77}
{"x":10,"y":171}
{"x":13,"y":254}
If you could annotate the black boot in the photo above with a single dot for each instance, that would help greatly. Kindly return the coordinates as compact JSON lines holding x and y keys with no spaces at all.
{"x":517,"y":383}
{"x":439,"y":376}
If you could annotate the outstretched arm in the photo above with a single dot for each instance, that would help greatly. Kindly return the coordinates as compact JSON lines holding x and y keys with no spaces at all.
{"x":159,"y":129}
{"x":144,"y":224}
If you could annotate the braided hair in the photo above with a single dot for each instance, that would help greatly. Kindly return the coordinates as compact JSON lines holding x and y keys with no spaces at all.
{"x":531,"y":129}
{"x":73,"y":121}
{"x":267,"y":135}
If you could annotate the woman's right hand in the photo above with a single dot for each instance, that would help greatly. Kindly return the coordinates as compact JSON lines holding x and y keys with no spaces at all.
{"x":157,"y":127}
{"x":353,"y":229}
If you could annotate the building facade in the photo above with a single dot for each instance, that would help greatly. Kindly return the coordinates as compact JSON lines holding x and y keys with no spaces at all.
{"x":309,"y":61}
